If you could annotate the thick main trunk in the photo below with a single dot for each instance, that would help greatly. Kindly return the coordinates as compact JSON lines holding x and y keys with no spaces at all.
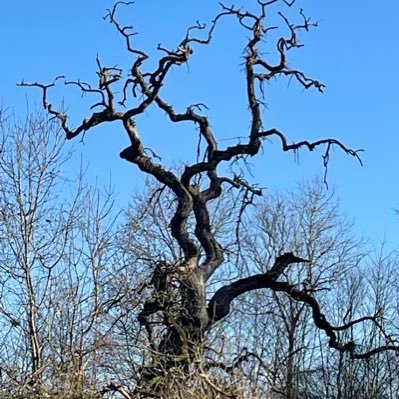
{"x":182,"y":306}
{"x":186,"y":322}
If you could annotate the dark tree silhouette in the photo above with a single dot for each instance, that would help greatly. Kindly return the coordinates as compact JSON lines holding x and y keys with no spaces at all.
{"x":178,"y":313}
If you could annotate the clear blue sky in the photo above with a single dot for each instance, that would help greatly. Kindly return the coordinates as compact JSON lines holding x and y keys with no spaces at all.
{"x":354,"y":52}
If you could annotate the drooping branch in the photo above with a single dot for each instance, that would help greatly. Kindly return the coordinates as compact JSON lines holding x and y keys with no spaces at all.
{"x":219,"y":305}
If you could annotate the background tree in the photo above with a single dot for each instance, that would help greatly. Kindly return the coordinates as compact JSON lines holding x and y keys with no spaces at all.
{"x":308,"y":222}
{"x":30,"y":256}
{"x":179,"y":309}
{"x":56,"y":243}
{"x":87,"y":305}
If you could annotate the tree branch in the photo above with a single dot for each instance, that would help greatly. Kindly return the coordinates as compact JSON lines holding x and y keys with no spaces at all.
{"x":219,"y":305}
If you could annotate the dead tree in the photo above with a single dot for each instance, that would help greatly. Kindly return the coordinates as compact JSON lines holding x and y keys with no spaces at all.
{"x":179,"y":302}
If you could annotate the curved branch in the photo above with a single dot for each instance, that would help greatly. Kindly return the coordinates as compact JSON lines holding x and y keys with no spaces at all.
{"x":135,"y":154}
{"x":213,"y":252}
{"x":219,"y":305}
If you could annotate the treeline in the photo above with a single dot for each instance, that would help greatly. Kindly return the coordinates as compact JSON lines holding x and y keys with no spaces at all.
{"x":76,"y":272}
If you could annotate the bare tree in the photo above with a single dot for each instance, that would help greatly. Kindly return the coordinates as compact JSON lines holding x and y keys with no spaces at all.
{"x":369,"y":288}
{"x":56,"y":241}
{"x":179,"y":309}
{"x":34,"y":236}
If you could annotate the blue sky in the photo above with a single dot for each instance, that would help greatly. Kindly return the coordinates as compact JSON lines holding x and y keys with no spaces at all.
{"x":354,"y":52}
